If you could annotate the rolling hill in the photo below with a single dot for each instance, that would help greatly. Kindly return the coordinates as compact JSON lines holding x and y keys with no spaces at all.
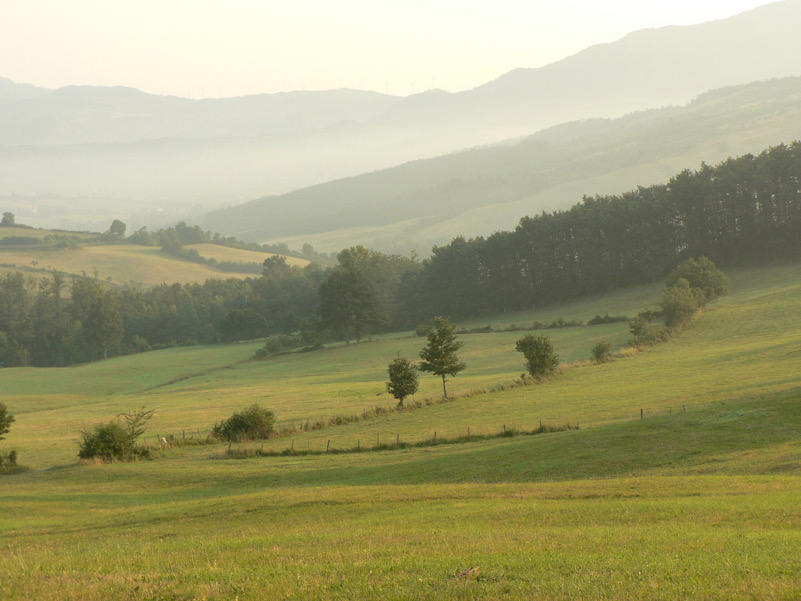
{"x":476,"y":192}
{"x":70,"y":155}
{"x":122,"y":264}
{"x":696,"y":499}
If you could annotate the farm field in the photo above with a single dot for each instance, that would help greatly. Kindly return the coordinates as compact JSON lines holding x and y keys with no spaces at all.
{"x":700,"y":499}
{"x":115,"y":263}
{"x":237,"y":255}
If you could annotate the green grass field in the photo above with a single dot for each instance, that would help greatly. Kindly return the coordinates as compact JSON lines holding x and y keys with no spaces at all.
{"x":700,"y":499}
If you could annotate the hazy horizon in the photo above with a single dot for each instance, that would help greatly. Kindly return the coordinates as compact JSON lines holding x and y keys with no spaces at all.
{"x":214,"y":49}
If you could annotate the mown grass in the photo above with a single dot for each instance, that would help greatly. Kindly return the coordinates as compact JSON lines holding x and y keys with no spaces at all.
{"x":697,"y":500}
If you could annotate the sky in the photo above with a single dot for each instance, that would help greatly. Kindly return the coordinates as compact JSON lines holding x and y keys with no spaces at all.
{"x":224,"y":48}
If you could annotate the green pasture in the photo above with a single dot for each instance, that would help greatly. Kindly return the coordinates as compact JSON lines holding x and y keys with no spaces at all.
{"x":699,"y":499}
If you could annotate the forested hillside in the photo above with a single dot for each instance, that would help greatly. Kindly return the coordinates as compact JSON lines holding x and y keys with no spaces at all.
{"x":475,"y":192}
{"x":745,"y":211}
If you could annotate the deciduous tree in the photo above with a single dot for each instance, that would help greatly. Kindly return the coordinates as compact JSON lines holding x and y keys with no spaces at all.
{"x":440,"y":356}
{"x":403,"y":380}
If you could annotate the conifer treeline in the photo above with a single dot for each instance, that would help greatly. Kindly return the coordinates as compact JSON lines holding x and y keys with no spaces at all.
{"x":745,"y":211}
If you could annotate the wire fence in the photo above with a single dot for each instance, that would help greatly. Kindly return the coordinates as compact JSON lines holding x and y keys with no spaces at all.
{"x":312,"y":438}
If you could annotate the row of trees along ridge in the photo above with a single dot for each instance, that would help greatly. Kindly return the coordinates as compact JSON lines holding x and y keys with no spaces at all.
{"x":743,"y":211}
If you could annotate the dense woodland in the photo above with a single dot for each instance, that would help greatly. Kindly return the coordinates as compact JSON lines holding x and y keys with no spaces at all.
{"x":744,"y":211}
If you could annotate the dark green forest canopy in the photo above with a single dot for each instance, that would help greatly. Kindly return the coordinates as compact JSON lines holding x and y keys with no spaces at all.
{"x":745,"y":211}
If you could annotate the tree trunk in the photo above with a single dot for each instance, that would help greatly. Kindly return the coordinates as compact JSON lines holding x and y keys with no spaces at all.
{"x":444,"y":390}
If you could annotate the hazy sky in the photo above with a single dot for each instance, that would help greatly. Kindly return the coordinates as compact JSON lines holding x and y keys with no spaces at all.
{"x":211,"y":48}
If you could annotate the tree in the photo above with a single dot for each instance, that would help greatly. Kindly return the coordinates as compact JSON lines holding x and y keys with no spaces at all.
{"x":275,"y":266}
{"x":348,"y":300}
{"x":701,"y":274}
{"x":117,"y":228}
{"x":402,"y":379}
{"x":103,"y":326}
{"x":6,"y":419}
{"x":8,"y":219}
{"x":540,"y":357}
{"x":439,"y":355}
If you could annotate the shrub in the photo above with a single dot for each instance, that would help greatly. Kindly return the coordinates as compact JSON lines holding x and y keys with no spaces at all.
{"x":115,"y":441}
{"x":540,"y":356}
{"x":6,"y":419}
{"x":606,"y":318}
{"x":680,"y":302}
{"x":254,"y":423}
{"x":9,"y":460}
{"x":701,"y":274}
{"x":642,"y":330}
{"x":602,"y":351}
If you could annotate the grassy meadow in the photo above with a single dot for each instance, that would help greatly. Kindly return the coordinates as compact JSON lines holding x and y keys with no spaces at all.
{"x":700,"y":499}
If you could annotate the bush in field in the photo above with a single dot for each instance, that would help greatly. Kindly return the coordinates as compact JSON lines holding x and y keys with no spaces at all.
{"x":643,"y":331}
{"x":602,"y":352}
{"x":115,"y":440}
{"x":254,"y":423}
{"x":541,"y":359}
{"x":6,"y":420}
{"x":680,"y":302}
{"x":702,"y":276}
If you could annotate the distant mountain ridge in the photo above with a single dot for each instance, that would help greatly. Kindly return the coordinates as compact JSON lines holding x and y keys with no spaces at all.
{"x":151,"y":158}
{"x":475,"y":192}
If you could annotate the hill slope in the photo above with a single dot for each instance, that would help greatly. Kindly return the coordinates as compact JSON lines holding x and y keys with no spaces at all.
{"x":78,"y":149}
{"x":123,"y":263}
{"x":682,"y":504}
{"x":476,"y":192}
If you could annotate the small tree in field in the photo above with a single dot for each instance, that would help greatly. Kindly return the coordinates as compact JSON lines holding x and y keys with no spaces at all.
{"x":6,"y":419}
{"x":402,"y":379}
{"x":439,"y":355}
{"x":540,"y":357}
